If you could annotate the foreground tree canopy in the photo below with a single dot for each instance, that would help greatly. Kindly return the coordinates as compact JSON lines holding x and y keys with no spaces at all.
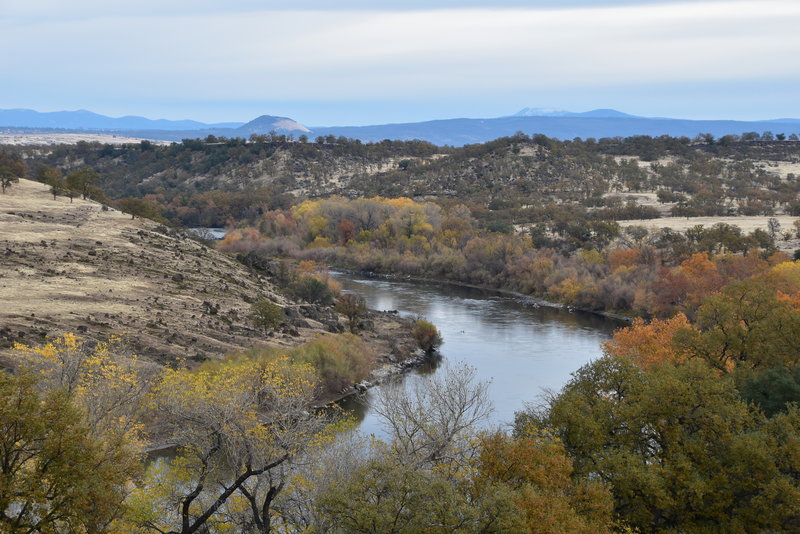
{"x":680,"y":449}
{"x":687,"y":424}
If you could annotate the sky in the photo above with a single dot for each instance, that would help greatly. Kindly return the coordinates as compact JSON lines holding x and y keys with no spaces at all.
{"x":354,"y":62}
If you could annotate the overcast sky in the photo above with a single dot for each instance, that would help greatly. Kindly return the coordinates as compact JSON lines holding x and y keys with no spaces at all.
{"x":328,"y":62}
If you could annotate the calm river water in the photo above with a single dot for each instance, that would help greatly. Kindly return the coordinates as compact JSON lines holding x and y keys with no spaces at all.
{"x":522,"y":349}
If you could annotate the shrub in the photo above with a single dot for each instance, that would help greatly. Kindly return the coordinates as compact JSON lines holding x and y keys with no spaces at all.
{"x":312,"y":289}
{"x":426,"y":335}
{"x":340,"y":360}
{"x":266,"y":314}
{"x":354,"y":307}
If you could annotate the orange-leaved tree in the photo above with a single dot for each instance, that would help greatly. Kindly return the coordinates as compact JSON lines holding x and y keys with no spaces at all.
{"x":650,"y":343}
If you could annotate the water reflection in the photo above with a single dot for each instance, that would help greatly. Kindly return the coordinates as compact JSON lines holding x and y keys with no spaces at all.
{"x":523,"y":349}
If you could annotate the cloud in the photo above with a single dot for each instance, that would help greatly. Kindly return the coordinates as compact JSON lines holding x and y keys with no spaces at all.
{"x":162,"y":50}
{"x":75,"y":9}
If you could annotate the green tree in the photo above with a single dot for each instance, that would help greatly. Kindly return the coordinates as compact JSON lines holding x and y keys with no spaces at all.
{"x":12,"y":168}
{"x":311,"y":289}
{"x":771,"y":389}
{"x":53,"y":177}
{"x":679,"y":448}
{"x":55,"y":475}
{"x":139,"y":207}
{"x":745,"y":325}
{"x":266,"y":314}
{"x":384,"y":497}
{"x":81,"y":180}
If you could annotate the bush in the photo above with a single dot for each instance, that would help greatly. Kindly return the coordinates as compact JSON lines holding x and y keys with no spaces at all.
{"x":353,"y":307}
{"x":426,"y":335}
{"x":266,"y":314}
{"x":341,"y":360}
{"x":312,"y":289}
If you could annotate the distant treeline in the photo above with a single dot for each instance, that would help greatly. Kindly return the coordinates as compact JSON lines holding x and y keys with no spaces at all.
{"x":216,"y":181}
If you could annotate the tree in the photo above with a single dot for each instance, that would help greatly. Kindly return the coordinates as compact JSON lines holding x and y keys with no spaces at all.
{"x":536,"y":475}
{"x":81,"y":180}
{"x":427,"y":421}
{"x":772,"y":389}
{"x":340,"y":360}
{"x":426,"y":335}
{"x":411,"y":483}
{"x":650,"y":343}
{"x":747,"y":324}
{"x":266,"y":314}
{"x":384,"y":497}
{"x":139,"y":207}
{"x":678,"y":447}
{"x":439,"y":474}
{"x":773,"y":227}
{"x":352,"y":306}
{"x":312,"y":289}
{"x":55,"y":180}
{"x":51,"y":176}
{"x":12,"y":168}
{"x":55,"y":474}
{"x":238,"y":425}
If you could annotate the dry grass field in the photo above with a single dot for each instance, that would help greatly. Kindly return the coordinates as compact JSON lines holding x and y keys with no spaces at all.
{"x":34,"y":139}
{"x":76,"y":267}
{"x":747,"y":224}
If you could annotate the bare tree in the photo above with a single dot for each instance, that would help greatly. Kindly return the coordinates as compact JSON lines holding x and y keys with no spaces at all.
{"x":426,"y":419}
{"x":317,"y":473}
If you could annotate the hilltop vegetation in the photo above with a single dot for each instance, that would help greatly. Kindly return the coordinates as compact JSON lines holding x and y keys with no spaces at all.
{"x":565,"y":197}
{"x":513,"y":179}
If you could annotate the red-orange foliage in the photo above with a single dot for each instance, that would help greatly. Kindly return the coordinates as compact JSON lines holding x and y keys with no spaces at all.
{"x":651,"y":343}
{"x":347,"y":231}
{"x":623,"y":257}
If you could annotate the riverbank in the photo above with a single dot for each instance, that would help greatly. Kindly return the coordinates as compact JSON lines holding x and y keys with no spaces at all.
{"x":528,"y":300}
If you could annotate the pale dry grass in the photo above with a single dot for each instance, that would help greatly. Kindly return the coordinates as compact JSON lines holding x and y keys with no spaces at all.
{"x":70,"y":139}
{"x":75,"y":267}
{"x":746,"y":223}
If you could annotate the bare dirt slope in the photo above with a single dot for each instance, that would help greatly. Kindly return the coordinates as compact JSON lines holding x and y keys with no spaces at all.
{"x":75,"y":267}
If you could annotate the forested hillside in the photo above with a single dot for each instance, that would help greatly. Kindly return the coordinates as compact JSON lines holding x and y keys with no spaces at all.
{"x":515,"y":179}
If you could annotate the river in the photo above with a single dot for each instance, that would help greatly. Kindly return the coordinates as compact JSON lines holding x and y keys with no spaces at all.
{"x":522,"y":349}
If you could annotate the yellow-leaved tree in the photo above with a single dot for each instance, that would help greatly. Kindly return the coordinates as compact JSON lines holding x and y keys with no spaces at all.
{"x":70,"y":439}
{"x":237,"y":425}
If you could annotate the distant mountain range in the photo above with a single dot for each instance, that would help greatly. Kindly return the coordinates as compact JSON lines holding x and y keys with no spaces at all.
{"x":595,"y":113}
{"x":555,"y":123}
{"x":87,"y":120}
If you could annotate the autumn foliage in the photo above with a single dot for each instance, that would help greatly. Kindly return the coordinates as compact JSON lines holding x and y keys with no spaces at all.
{"x":650,"y":343}
{"x":648,"y":276}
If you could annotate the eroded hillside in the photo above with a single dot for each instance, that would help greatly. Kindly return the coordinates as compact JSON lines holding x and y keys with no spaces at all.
{"x":76,"y":266}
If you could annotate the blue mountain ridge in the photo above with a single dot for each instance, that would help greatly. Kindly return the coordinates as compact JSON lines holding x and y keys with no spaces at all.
{"x":559,"y":124}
